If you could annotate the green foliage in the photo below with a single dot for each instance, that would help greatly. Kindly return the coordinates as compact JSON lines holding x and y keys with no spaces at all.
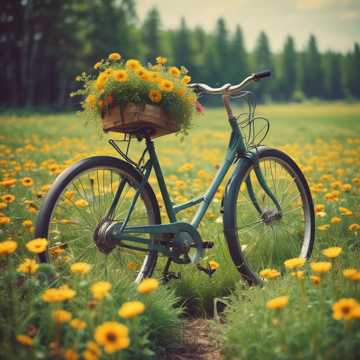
{"x":120,"y":83}
{"x":289,"y":73}
{"x":313,"y":76}
{"x":23,"y":311}
{"x":65,"y":37}
{"x":151,"y":35}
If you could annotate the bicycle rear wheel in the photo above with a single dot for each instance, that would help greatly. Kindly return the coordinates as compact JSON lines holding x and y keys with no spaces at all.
{"x":261,"y":237}
{"x":75,"y":208}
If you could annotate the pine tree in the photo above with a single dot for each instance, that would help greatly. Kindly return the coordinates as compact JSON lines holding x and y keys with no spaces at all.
{"x":289,"y":69}
{"x":333,"y":81}
{"x":313,"y":73}
{"x":151,"y":35}
{"x":353,"y":72}
{"x":263,"y":60}
{"x":182,"y":47}
{"x":221,"y":49}
{"x":239,"y":58}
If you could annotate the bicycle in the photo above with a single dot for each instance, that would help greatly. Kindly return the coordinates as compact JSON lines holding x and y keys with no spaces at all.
{"x":112,"y":213}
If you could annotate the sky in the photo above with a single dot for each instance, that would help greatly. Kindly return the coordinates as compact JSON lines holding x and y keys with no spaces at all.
{"x":336,"y":23}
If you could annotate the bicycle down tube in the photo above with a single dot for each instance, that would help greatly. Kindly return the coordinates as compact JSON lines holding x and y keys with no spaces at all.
{"x":236,"y":146}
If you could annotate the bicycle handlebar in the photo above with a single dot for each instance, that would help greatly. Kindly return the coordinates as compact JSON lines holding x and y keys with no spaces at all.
{"x":229,"y":89}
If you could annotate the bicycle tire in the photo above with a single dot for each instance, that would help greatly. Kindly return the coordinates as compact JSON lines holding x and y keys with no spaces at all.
{"x":231,"y":230}
{"x":126,"y":170}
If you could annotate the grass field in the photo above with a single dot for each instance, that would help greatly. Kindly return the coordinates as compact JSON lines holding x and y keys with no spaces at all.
{"x":323,"y":139}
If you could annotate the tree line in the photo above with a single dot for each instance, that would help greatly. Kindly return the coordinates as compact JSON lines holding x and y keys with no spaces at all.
{"x":44,"y":44}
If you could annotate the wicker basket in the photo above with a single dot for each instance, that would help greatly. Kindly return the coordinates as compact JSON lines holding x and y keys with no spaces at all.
{"x":139,"y":119}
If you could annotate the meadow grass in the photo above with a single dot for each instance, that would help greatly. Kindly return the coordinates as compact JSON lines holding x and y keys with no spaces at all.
{"x":322,"y":138}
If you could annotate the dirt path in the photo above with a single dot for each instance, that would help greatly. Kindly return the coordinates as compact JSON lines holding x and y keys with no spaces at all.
{"x":197,"y":343}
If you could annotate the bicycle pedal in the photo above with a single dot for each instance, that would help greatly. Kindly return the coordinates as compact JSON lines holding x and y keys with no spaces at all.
{"x":171,"y":275}
{"x":207,"y":271}
{"x":207,"y":244}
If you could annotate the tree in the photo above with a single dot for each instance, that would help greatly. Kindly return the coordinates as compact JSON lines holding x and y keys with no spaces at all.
{"x":313,"y":74}
{"x":182,"y":47}
{"x":263,"y":60}
{"x":353,"y":72}
{"x":239,"y":58}
{"x":221,"y":49}
{"x":332,"y":71}
{"x":289,"y":69}
{"x":151,"y":35}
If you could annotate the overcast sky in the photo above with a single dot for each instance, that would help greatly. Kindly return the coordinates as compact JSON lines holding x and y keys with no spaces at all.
{"x":336,"y":23}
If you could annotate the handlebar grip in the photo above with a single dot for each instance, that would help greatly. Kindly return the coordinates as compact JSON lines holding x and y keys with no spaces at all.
{"x":262,"y":74}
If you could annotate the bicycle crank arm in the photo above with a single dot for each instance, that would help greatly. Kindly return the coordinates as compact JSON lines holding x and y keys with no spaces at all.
{"x":183,"y":238}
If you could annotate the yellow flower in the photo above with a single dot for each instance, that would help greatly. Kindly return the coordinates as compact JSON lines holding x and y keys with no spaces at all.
{"x":4,"y":220}
{"x":352,"y":274}
{"x":100,"y":289}
{"x":355,"y":312}
{"x":37,"y":246}
{"x":24,"y":340}
{"x":71,"y":354}
{"x":155,"y":95}
{"x":342,"y":308}
{"x":3,"y":205}
{"x":92,"y":351}
{"x":269,"y":273}
{"x":131,"y":309}
{"x":61,"y":316}
{"x":90,"y":101}
{"x":332,"y":252}
{"x":143,"y":73}
{"x":28,"y":266}
{"x":166,"y":86}
{"x":315,"y":279}
{"x":100,"y":81}
{"x":321,"y":266}
{"x":323,"y":227}
{"x":133,"y":64}
{"x":8,"y":182}
{"x":80,"y":268}
{"x":277,"y":303}
{"x":345,"y":211}
{"x":213,"y":265}
{"x":27,"y":223}
{"x":7,"y":247}
{"x":298,"y":274}
{"x":8,"y":198}
{"x":294,"y":263}
{"x":161,"y":60}
{"x":147,"y":286}
{"x":319,"y":207}
{"x":78,"y":324}
{"x":81,"y":203}
{"x":354,"y":227}
{"x":58,"y":294}
{"x":97,"y":65}
{"x":113,"y":336}
{"x":132,"y":265}
{"x":186,"y":79}
{"x":27,"y":181}
{"x":155,"y":76}
{"x":120,"y":75}
{"x":174,"y":71}
{"x":114,"y":56}
{"x":335,"y":220}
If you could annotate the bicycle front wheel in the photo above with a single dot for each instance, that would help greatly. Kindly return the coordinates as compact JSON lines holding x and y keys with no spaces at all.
{"x":76,"y":206}
{"x":259,"y":235}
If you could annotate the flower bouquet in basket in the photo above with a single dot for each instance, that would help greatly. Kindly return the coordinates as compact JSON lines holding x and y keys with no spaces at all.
{"x":136,"y":99}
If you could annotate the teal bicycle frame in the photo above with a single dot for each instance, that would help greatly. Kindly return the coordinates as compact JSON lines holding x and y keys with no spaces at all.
{"x":236,"y":150}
